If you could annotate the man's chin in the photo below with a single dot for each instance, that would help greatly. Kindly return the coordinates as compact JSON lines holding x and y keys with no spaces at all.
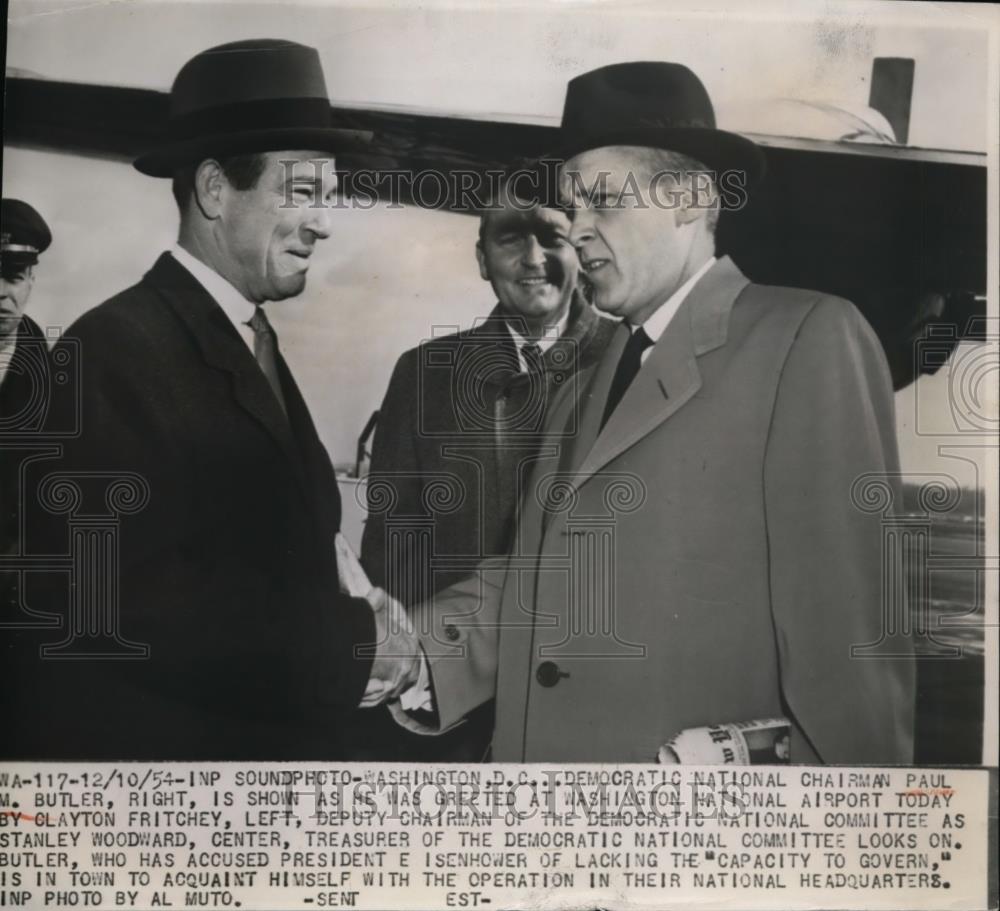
{"x":290,"y":286}
{"x":542,"y":304}
{"x":608,"y":303}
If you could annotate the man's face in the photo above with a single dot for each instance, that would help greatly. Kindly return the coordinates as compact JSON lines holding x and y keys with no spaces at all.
{"x":269,"y":231}
{"x":15,"y":288}
{"x":526,"y":255}
{"x":633,"y":254}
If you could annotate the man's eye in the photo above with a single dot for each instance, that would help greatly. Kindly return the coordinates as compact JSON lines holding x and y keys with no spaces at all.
{"x":552,"y":239}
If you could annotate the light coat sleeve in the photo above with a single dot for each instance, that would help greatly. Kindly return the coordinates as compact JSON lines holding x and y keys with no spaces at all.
{"x":833,"y":423}
{"x":459,"y":632}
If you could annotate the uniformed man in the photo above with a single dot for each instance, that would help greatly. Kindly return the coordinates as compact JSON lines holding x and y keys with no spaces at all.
{"x":24,"y":363}
{"x":24,"y":236}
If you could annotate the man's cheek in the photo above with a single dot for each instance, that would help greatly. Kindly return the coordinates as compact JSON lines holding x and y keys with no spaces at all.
{"x":571,"y":268}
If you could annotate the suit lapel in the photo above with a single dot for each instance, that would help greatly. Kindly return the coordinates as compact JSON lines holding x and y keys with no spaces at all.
{"x":669,"y":377}
{"x":322,"y":491}
{"x":222,"y":348}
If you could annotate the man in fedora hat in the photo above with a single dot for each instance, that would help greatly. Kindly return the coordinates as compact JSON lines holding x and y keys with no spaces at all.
{"x":698,"y":550}
{"x":233,"y":638}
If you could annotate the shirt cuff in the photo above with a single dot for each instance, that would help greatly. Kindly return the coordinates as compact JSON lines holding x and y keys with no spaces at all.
{"x":418,"y":697}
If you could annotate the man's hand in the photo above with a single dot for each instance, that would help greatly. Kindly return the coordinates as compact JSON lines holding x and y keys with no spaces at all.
{"x":397,"y":651}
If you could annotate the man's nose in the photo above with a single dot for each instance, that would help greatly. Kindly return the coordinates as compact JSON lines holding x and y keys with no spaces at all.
{"x":581,"y":231}
{"x":319,"y":221}
{"x":533,"y":253}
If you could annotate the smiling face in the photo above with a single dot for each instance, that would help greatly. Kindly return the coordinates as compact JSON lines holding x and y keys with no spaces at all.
{"x":524,"y":252}
{"x":634,"y":239}
{"x":266,"y":234}
{"x":15,"y":288}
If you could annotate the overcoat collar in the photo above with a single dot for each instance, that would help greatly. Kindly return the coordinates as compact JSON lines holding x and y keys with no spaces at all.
{"x":563,"y":352}
{"x":668,"y":379}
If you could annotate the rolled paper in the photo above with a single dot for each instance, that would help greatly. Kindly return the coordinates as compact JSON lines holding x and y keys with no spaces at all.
{"x":763,"y":741}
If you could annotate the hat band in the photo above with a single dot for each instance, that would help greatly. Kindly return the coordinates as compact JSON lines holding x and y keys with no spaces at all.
{"x":18,"y":248}
{"x":256,"y":116}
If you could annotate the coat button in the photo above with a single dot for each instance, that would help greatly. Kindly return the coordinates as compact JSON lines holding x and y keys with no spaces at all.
{"x":451,"y":632}
{"x":548,"y":673}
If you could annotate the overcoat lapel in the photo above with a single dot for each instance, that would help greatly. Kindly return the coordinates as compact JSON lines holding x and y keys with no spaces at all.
{"x":221,"y":347}
{"x":669,"y":377}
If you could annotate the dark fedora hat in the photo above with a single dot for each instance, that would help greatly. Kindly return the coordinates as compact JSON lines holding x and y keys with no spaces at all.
{"x":658,"y":105}
{"x":248,"y":96}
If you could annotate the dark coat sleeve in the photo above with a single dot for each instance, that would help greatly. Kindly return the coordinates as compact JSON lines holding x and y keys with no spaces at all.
{"x":395,"y":486}
{"x":833,"y":423}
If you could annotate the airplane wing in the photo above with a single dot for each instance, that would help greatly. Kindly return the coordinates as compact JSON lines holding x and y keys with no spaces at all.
{"x":900,"y":231}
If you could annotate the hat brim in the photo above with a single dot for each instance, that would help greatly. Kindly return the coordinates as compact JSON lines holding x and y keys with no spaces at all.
{"x":166,"y":160}
{"x":18,"y":260}
{"x":716,"y":149}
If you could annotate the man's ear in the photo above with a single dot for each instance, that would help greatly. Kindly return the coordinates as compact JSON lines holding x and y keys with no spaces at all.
{"x":209,"y":186}
{"x":697,"y":200}
{"x":484,"y":272}
{"x":686,"y":213}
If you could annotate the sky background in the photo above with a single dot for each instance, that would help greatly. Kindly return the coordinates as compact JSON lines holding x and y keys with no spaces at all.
{"x":386,"y":278}
{"x":512,"y":60}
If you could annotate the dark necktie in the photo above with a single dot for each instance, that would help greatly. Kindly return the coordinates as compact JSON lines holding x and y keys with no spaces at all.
{"x":532,"y":357}
{"x":628,"y":367}
{"x":265,"y":349}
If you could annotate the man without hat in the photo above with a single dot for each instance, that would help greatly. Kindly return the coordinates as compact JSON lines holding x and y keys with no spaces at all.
{"x":699,"y":551}
{"x":228,"y":576}
{"x":464,"y":413}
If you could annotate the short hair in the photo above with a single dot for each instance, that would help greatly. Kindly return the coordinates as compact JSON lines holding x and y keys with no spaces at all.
{"x":657,"y":161}
{"x":494,"y":203}
{"x":531,"y":181}
{"x":242,"y":171}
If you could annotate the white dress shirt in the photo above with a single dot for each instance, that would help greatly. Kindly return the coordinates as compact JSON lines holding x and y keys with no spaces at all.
{"x":657,"y":324}
{"x":7,"y":356}
{"x":233,"y":304}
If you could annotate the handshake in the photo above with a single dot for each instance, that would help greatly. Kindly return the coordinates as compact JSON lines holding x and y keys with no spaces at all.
{"x":397,"y":663}
{"x":398,"y":658}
